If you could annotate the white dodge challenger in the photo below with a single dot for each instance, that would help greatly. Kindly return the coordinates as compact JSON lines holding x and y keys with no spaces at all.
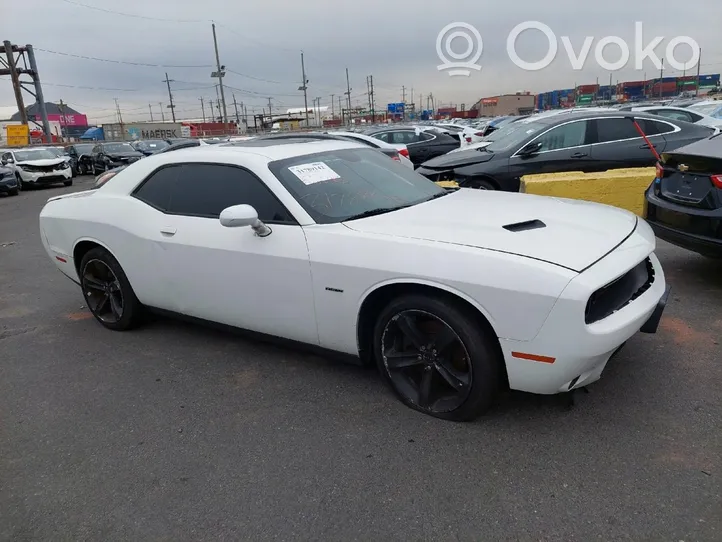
{"x":453,"y":294}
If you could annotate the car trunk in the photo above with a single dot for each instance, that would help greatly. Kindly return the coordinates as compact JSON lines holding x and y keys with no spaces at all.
{"x":690,"y":180}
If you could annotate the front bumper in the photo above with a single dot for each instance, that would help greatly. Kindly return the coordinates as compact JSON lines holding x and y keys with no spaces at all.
{"x":8,"y":183}
{"x":46,"y":177}
{"x":567,"y":353}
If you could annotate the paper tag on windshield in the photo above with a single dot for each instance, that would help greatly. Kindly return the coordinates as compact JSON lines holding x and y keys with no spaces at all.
{"x":315,"y":172}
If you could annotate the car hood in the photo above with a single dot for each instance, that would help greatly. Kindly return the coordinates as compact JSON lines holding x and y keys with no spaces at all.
{"x":43,"y":162}
{"x":135,"y":154}
{"x":458,"y":159}
{"x":575,"y":234}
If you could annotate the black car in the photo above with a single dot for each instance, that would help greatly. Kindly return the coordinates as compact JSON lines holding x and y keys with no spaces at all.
{"x":107,"y":156}
{"x":423,"y":143}
{"x":9,"y":183}
{"x":79,"y":154}
{"x":557,"y":143}
{"x":502,"y":122}
{"x":150,"y":146}
{"x":684,"y":202}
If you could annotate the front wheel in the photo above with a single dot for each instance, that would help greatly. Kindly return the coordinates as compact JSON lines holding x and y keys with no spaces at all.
{"x":437,"y":357}
{"x":69,"y":182}
{"x":480,"y":184}
{"x":108,"y":292}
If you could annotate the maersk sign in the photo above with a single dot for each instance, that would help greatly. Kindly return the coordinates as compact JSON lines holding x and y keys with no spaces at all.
{"x":142,"y":130}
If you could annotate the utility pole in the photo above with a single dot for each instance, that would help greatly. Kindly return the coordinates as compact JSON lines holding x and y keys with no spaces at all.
{"x":13,"y":73}
{"x":203,"y":109}
{"x":333,"y":112}
{"x":661,"y":76}
{"x":304,"y":88}
{"x":318,"y":108}
{"x":348,"y":94}
{"x":235,"y":106}
{"x":373,"y":103}
{"x":150,"y":110}
{"x":120,"y":119}
{"x":64,"y":118}
{"x":270,"y":111}
{"x":340,"y":109}
{"x":210,"y":104}
{"x":699,"y":62}
{"x":170,"y":96}
{"x":220,"y":73}
{"x":162,"y":115}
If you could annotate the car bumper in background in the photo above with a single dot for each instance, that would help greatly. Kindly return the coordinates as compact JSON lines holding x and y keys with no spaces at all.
{"x":47,"y":177}
{"x":8,"y":184}
{"x":567,"y":353}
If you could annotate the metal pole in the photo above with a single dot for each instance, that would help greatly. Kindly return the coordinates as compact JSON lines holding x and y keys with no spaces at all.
{"x":699,"y":62}
{"x":220,"y":74}
{"x":348,"y":95}
{"x":162,"y":115}
{"x":661,"y":76}
{"x":61,"y":106}
{"x":39,"y":93}
{"x":170,"y":96}
{"x":203,"y":109}
{"x":16,"y":82}
{"x":235,"y":106}
{"x":373,"y":103}
{"x":150,"y":110}
{"x":304,"y":87}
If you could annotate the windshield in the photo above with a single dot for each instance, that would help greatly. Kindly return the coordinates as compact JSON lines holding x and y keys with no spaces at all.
{"x":118,"y":147}
{"x":335,"y":186}
{"x":57,"y":151}
{"x":152,"y":146}
{"x":513,"y":135}
{"x":707,"y":109}
{"x":81,"y":149}
{"x":35,"y":154}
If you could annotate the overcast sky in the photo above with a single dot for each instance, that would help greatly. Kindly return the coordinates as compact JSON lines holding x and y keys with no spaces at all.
{"x":393,"y":40}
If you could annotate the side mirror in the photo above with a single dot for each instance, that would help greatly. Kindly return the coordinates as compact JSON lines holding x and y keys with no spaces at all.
{"x":239,"y":216}
{"x":531,"y":148}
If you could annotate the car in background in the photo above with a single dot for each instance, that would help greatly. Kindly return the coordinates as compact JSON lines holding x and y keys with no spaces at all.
{"x":712,"y":108}
{"x":500,"y":122}
{"x":79,"y":154}
{"x":422,"y":142}
{"x":106,"y":156}
{"x":150,"y":146}
{"x":36,"y":166}
{"x":558,"y":143}
{"x":61,"y":153}
{"x":686,"y":114}
{"x":320,"y":242}
{"x":104,"y":177}
{"x":684,"y":202}
{"x":9,"y":183}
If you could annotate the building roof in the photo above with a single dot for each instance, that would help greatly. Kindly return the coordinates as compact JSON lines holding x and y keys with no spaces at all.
{"x":51,"y":108}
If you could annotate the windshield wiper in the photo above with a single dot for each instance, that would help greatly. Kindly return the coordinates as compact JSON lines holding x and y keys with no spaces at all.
{"x":374,"y":212}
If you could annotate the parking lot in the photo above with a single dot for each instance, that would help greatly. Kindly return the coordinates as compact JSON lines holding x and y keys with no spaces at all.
{"x":178,"y":432}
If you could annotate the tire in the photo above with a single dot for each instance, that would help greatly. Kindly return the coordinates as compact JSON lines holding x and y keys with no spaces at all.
{"x":480,"y":184}
{"x":81,"y":169}
{"x":131,"y":309}
{"x":93,"y":170}
{"x":473,"y":360}
{"x":14,"y":191}
{"x":21,"y":184}
{"x":69,"y":182}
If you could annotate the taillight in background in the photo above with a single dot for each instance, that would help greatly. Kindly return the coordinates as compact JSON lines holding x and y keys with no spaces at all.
{"x":716,"y":180}
{"x":468,"y":139}
{"x":404,"y":153}
{"x":104,"y":178}
{"x":396,"y":157}
{"x":479,"y":134}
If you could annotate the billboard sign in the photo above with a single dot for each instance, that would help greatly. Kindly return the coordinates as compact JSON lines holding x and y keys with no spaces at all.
{"x":396,"y":108}
{"x":17,"y":134}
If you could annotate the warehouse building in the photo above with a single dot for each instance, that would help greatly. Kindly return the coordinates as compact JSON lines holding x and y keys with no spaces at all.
{"x":521,"y":103}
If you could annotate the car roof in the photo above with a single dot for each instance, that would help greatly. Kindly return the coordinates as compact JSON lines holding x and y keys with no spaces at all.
{"x":279,"y":149}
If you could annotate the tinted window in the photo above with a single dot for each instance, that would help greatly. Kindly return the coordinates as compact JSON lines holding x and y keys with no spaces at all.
{"x":562,"y":137}
{"x":334,"y":186}
{"x":404,"y":138}
{"x":672,"y":114}
{"x":426,"y":136}
{"x":157,"y":189}
{"x":615,"y":129}
{"x":383,"y":136}
{"x":206,"y":189}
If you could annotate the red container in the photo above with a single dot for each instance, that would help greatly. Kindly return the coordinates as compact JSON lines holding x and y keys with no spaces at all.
{"x":587,"y":89}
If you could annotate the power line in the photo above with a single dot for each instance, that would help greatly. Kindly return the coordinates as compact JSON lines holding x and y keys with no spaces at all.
{"x":128,"y":62}
{"x":164,"y":19}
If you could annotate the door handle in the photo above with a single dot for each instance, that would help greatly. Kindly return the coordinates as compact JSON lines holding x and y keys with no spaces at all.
{"x":168,"y":231}
{"x":645,"y":146}
{"x":579,"y":155}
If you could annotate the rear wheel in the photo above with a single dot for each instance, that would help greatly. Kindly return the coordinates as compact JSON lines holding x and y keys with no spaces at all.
{"x":107,"y":292}
{"x":437,"y":357}
{"x":14,"y":191}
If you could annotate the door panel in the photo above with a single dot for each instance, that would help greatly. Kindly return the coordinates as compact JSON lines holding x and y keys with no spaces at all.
{"x":234,"y":277}
{"x":619,"y":145}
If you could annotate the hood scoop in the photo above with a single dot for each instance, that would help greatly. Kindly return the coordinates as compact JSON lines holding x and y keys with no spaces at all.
{"x":526,"y":225}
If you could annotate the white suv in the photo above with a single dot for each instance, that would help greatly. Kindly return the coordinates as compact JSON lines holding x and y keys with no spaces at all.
{"x":36,"y":166}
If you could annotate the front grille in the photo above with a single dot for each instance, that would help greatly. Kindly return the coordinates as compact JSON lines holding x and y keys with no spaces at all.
{"x":618,"y":294}
{"x":42,"y":169}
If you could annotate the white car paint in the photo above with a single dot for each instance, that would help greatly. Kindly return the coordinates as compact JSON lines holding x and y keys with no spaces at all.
{"x":57,"y":168}
{"x":307,"y":282}
{"x":402,"y":149}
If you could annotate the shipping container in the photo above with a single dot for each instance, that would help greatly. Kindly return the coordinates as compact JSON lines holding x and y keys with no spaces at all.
{"x":142,"y":130}
{"x":585,"y":98}
{"x":587,"y":89}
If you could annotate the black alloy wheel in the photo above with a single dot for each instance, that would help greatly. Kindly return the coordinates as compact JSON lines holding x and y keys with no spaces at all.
{"x":107,"y":292}
{"x":479,"y":184}
{"x":19,"y":182}
{"x":437,"y":357}
{"x":426,"y":361}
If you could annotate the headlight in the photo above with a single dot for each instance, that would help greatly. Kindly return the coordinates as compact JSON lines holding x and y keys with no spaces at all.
{"x":64,"y":165}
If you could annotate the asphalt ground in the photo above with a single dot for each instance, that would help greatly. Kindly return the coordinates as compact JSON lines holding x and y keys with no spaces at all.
{"x":178,"y":432}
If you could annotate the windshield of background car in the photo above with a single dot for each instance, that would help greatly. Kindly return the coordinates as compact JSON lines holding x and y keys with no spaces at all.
{"x":707,"y":109}
{"x":510,"y":138}
{"x":83,"y":149}
{"x":118,"y":147}
{"x":35,"y":154}
{"x":152,"y":146}
{"x":334,"y":186}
